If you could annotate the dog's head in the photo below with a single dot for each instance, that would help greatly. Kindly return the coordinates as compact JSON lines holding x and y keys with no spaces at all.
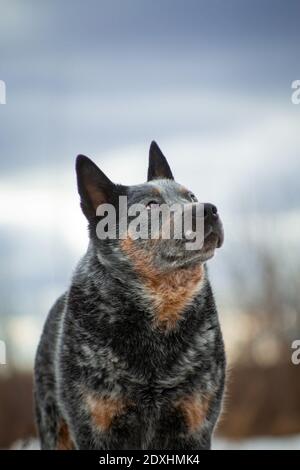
{"x":159,"y":220}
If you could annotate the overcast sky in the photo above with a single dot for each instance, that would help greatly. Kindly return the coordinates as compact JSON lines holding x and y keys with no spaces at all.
{"x":95,"y":75}
{"x":209,"y":80}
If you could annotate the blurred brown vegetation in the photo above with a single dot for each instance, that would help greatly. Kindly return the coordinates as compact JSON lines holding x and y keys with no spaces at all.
{"x":16,"y":408}
{"x":260,"y":401}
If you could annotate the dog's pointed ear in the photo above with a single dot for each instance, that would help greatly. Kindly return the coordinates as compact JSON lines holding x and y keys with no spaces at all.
{"x":158,"y":165}
{"x":94,"y":187}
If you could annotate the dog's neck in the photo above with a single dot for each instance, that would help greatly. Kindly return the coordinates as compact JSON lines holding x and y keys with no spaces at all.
{"x":170,"y":292}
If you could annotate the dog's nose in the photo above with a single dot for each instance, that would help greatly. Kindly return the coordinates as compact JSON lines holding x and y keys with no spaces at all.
{"x":210,"y":212}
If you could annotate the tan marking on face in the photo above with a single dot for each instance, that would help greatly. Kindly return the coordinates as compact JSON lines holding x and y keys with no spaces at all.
{"x":184,"y":190}
{"x":171,"y":292}
{"x":156,"y":191}
{"x":104,"y":410}
{"x":64,"y":441}
{"x":194,"y":409}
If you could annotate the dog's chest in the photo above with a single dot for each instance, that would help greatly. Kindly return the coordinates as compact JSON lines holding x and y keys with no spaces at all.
{"x":148,"y":378}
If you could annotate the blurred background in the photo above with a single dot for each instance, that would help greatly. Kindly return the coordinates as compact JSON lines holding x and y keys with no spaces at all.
{"x":210,"y":81}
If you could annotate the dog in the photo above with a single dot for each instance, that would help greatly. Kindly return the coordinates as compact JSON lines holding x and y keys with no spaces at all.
{"x":132,"y":355}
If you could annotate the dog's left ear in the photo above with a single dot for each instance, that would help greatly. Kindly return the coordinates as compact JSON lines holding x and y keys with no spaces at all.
{"x":94,"y":187}
{"x":158,"y":165}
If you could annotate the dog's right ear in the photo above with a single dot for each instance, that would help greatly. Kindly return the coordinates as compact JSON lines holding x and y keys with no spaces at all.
{"x":158,"y":165}
{"x":93,"y":185}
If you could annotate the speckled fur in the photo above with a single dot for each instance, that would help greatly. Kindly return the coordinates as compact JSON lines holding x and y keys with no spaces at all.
{"x":106,"y":377}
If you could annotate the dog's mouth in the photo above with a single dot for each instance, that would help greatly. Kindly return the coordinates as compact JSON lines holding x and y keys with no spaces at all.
{"x":176,"y":253}
{"x":213,"y":239}
{"x":214,"y":236}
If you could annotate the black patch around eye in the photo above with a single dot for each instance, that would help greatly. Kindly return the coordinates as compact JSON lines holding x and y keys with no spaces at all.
{"x":152,"y":203}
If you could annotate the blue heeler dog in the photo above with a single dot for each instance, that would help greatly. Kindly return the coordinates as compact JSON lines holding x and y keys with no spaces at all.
{"x":132,"y":356}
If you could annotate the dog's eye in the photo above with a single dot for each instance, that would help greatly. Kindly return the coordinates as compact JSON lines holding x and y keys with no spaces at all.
{"x":193,"y":197}
{"x":152,"y":205}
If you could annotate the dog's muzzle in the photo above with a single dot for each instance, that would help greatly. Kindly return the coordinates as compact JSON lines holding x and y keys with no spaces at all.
{"x":213,"y":227}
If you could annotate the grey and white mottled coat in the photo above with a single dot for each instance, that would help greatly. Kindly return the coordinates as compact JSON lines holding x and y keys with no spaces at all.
{"x":132,"y":356}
